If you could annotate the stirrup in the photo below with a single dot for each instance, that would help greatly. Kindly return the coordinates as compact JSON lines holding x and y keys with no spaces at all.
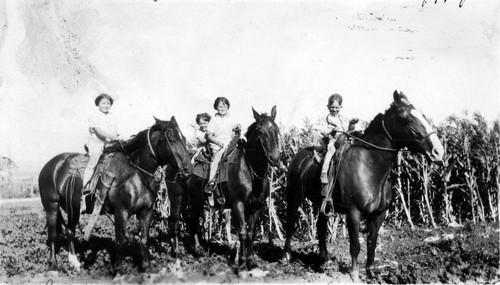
{"x":210,"y":188}
{"x":327,"y":207}
{"x":317,"y":156}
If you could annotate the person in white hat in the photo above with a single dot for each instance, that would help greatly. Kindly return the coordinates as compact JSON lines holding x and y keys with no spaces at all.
{"x":102,"y":129}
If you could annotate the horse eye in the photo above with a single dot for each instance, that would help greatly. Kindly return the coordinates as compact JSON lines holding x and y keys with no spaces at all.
{"x":170,"y":137}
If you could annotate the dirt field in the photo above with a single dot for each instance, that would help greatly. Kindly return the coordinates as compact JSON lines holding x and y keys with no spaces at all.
{"x":467,"y":254}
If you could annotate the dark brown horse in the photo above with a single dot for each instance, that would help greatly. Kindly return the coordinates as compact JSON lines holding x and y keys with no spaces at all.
{"x":247,"y":185}
{"x":132,"y":189}
{"x":362,"y":189}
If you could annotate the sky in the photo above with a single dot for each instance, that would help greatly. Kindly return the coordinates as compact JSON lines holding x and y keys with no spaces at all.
{"x":173,"y":58}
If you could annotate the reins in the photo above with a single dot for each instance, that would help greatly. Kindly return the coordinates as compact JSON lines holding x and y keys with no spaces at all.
{"x":390,"y":138}
{"x":135,"y":165}
{"x":151,"y":147}
{"x":371,"y":144}
{"x":266,"y":154}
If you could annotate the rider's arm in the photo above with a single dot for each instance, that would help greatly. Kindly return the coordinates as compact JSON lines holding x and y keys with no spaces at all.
{"x":103,"y":127}
{"x":102,"y":134}
{"x":211,"y":138}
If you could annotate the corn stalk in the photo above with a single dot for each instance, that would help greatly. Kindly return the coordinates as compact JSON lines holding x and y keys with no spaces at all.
{"x":273,"y":217}
{"x":398,"y":187}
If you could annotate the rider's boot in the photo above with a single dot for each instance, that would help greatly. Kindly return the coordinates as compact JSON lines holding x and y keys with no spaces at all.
{"x":209,"y":189}
{"x":100,"y":198}
{"x":219,"y":197}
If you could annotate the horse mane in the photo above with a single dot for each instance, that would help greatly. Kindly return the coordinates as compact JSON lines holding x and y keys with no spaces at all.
{"x":375,"y":126}
{"x":131,"y":146}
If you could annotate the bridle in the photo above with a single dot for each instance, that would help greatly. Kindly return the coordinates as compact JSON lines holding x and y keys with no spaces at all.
{"x":266,"y":154}
{"x":412,"y":129}
{"x":169,"y":143}
{"x":155,"y":157}
{"x":419,"y":141}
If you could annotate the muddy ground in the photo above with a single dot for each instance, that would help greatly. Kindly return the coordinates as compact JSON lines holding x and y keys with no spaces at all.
{"x":446,"y":255}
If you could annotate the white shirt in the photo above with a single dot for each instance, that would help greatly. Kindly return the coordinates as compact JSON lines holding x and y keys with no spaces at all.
{"x":338,"y":123}
{"x":221,"y":128}
{"x":106,"y":122}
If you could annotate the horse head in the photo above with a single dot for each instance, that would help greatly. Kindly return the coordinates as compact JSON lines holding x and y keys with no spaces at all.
{"x":407,"y":127}
{"x":266,"y":132}
{"x":171,"y":146}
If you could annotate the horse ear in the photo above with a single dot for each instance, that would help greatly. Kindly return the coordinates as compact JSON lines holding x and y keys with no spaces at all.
{"x":173,"y":120}
{"x":400,"y":98}
{"x":256,"y":115}
{"x":273,"y":112}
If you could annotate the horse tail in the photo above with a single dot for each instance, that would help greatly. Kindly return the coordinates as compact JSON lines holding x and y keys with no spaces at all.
{"x":70,"y":190}
{"x":298,"y":171}
{"x":60,"y":222}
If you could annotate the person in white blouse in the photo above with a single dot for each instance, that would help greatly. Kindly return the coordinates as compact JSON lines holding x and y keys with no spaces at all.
{"x":102,"y":129}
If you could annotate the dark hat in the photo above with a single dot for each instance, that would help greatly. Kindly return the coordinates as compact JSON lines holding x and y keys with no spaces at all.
{"x":103,"y":96}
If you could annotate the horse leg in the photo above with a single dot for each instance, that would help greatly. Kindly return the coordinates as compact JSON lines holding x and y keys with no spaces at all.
{"x":53,"y":224}
{"x":241,"y":225}
{"x":252,"y":222}
{"x":371,"y":242}
{"x":321,"y":226}
{"x":227,"y":218}
{"x":73,"y":218}
{"x":173,"y":220}
{"x":120,"y":235}
{"x":292,"y":216}
{"x":353,"y":219}
{"x":144,"y":222}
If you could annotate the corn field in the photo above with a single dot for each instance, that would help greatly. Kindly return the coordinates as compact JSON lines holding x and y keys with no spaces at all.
{"x":464,"y":187}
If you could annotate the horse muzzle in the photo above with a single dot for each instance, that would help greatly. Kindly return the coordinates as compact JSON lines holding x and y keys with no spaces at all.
{"x":273,"y":160}
{"x":437,"y":151}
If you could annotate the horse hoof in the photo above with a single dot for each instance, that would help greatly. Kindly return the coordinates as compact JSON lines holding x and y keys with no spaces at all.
{"x":323,"y":257}
{"x":355,"y":276}
{"x":73,"y":260}
{"x":52,"y":266}
{"x":251,"y":265}
{"x":199,"y":253}
{"x":144,"y":266}
{"x":117,"y":270}
{"x":243,"y":274}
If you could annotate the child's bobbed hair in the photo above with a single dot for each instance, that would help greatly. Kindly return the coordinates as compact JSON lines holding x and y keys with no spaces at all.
{"x":205,"y":116}
{"x":333,"y":98}
{"x":103,"y":96}
{"x":219,"y":99}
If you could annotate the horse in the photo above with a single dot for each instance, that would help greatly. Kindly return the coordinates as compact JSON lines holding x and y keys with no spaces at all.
{"x":360,"y":188}
{"x":129,"y":179}
{"x":246,"y":188}
{"x":187,"y":196}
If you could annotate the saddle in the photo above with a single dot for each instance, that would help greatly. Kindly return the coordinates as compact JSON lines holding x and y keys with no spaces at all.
{"x":78,"y":164}
{"x":201,"y":165}
{"x":327,"y":204}
{"x":226,"y":160}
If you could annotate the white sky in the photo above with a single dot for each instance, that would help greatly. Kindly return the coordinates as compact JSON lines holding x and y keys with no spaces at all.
{"x":169,"y":58}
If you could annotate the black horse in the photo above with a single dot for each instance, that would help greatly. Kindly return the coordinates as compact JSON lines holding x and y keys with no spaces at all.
{"x":129,"y":179}
{"x":187,"y":196}
{"x":361,"y":188}
{"x":246,"y":188}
